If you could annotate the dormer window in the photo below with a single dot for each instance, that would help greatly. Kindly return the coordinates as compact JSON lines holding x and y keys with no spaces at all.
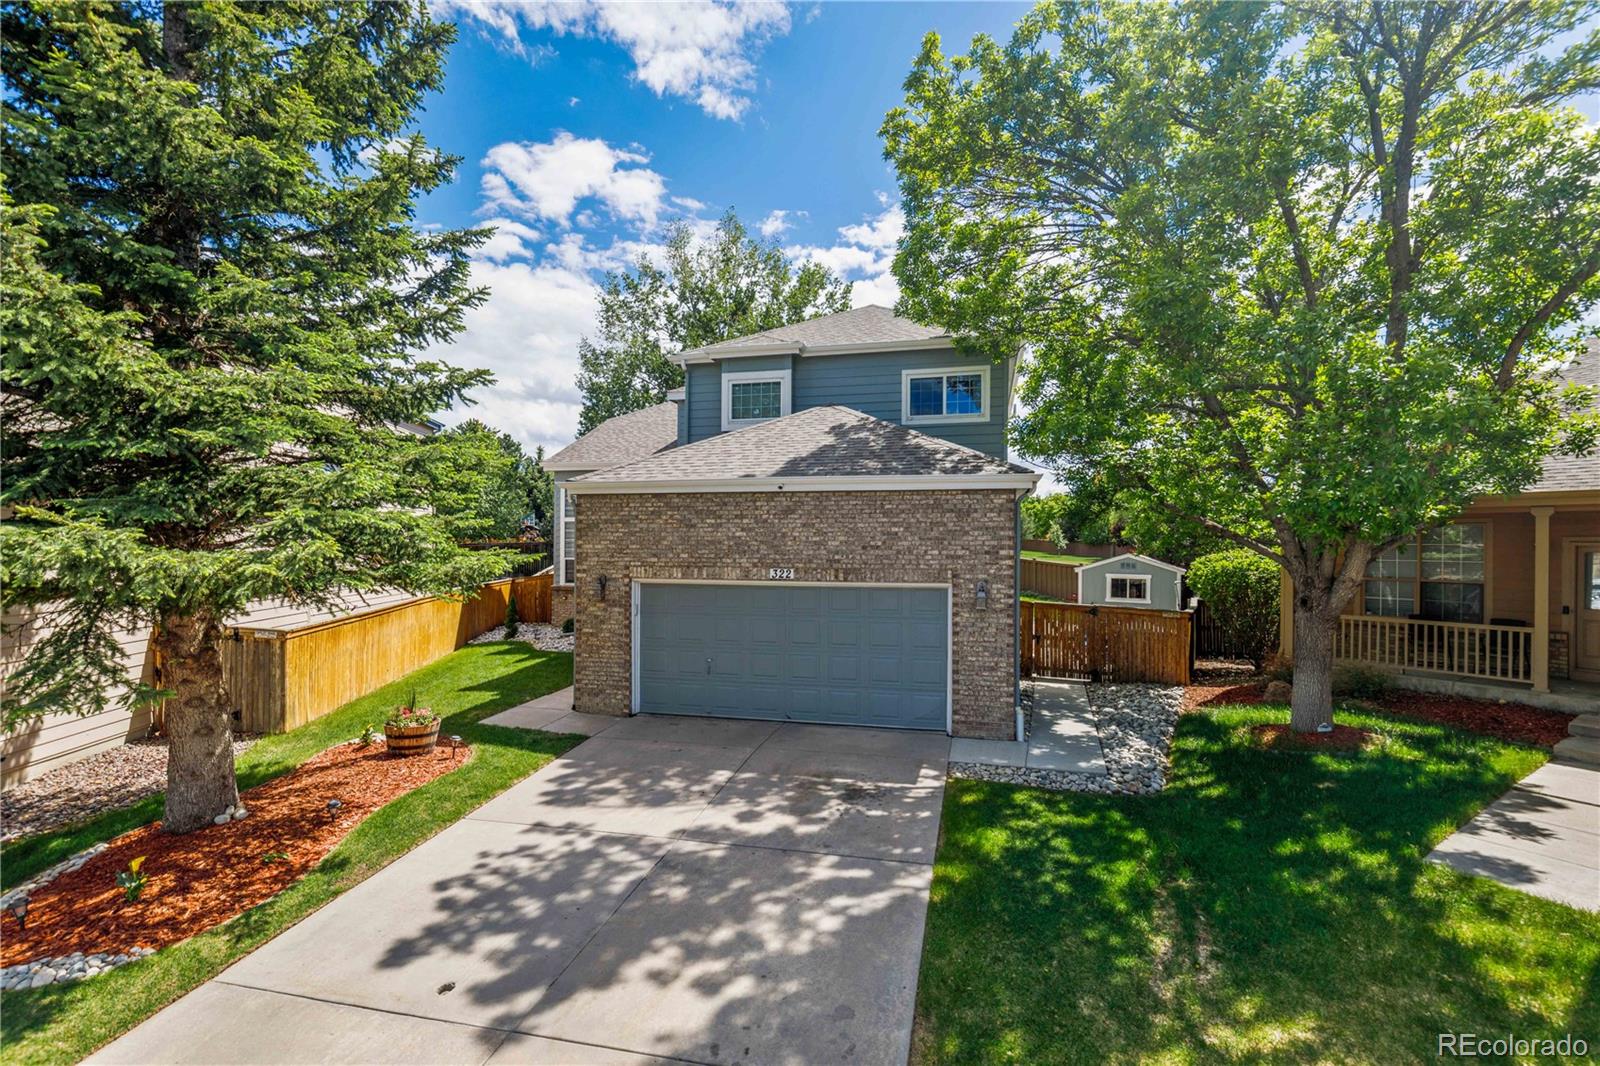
{"x":957,"y":394}
{"x":754,"y":396}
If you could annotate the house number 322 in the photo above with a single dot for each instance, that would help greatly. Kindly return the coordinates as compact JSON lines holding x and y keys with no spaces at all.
{"x":780,"y":573}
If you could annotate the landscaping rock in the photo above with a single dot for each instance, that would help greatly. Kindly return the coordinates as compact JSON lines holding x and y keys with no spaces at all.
{"x":541,"y":635}
{"x":1135,"y":724}
{"x":1277,"y":692}
{"x":102,"y":782}
{"x":222,"y":819}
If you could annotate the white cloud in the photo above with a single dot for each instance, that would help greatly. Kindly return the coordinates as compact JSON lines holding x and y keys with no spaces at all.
{"x":777,"y":223}
{"x":702,"y":51}
{"x":526,"y":333}
{"x":548,"y":179}
{"x":509,"y":241}
{"x":864,"y":255}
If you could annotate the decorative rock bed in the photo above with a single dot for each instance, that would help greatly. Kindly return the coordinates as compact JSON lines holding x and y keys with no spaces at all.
{"x":541,"y":635}
{"x":62,"y":968}
{"x":1135,"y":724}
{"x":116,"y":778}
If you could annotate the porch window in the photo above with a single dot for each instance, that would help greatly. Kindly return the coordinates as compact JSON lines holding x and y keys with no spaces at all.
{"x":1440,"y":576}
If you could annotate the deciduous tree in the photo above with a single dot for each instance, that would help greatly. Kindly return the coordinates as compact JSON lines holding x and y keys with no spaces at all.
{"x":692,"y":292}
{"x":1298,"y":275}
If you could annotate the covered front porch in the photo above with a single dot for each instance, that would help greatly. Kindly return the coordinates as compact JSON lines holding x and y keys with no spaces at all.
{"x":1502,"y":603}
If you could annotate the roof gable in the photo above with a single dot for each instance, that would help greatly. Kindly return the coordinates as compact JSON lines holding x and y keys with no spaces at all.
{"x":866,"y":327}
{"x":1131,"y":555}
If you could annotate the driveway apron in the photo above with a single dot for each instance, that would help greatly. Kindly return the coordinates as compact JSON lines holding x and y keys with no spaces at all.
{"x":672,"y":889}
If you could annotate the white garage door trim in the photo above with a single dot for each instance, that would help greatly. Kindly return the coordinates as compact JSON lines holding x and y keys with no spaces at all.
{"x":949,"y":626}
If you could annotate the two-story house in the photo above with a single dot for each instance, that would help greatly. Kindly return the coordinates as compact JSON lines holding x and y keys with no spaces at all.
{"x":820,"y":526}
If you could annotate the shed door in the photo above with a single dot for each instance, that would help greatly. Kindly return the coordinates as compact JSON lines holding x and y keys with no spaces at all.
{"x":842,"y":654}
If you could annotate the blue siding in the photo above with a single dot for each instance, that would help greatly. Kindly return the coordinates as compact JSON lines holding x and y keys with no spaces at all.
{"x":704,"y":396}
{"x":870,"y":383}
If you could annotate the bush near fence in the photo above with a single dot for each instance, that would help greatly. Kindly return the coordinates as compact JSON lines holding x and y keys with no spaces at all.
{"x":280,"y":679}
{"x":1095,"y":642}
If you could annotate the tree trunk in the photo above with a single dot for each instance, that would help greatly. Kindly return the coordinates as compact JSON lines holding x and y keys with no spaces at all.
{"x":198,"y":723}
{"x":1311,"y":701}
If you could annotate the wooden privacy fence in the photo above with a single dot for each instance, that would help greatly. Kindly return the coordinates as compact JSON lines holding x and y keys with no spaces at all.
{"x":1058,"y":581}
{"x":280,"y":679}
{"x":1100,"y":643}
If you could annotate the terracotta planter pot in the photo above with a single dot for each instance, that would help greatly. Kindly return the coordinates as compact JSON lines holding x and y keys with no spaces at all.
{"x":411,"y":739}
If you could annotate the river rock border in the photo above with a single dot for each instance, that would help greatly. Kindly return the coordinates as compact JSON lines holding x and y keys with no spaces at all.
{"x":56,"y":968}
{"x":1135,"y":724}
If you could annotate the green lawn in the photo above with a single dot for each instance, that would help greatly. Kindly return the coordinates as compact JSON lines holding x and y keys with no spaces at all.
{"x":1265,"y":907}
{"x":64,"y":1023}
{"x":1050,"y":557}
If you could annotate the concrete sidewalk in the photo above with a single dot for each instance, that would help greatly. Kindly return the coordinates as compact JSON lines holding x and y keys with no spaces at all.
{"x":673,"y":889}
{"x":1542,"y":837}
{"x":1061,"y":736}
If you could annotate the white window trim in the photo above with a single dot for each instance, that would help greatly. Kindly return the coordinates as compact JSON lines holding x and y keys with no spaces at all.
{"x":560,"y":545}
{"x":1146,"y":578}
{"x":933,"y":371}
{"x":728,"y":381}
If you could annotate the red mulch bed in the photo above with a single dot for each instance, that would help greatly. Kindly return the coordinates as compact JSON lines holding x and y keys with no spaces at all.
{"x":1282,"y":738}
{"x":1222,"y":695}
{"x":201,"y":879}
{"x":1516,"y":722}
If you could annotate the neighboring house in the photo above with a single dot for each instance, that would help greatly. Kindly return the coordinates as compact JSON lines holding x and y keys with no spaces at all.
{"x":1507,"y":594}
{"x":1132,"y":581}
{"x":820,"y":526}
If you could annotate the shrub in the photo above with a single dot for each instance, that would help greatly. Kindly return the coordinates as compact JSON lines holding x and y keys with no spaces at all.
{"x":1359,"y":682}
{"x":1241,"y":588}
{"x":511,"y":615}
{"x":1279,"y":669}
{"x":569,"y":625}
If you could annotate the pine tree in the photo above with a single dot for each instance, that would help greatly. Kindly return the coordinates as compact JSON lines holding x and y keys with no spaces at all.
{"x":216,"y":300}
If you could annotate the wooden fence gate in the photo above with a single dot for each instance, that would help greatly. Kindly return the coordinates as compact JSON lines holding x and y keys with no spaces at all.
{"x":1100,"y":643}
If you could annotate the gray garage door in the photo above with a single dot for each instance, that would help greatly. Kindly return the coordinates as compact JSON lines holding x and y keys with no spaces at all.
{"x":844,"y":654}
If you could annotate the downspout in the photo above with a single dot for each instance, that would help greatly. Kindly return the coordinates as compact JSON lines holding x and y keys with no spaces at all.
{"x":1016,"y":614}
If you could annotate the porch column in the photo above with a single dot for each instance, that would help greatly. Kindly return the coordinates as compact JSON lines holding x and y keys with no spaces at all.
{"x":1541,"y":598}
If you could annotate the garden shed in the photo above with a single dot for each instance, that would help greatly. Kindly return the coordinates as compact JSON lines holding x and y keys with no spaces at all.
{"x":1132,"y":581}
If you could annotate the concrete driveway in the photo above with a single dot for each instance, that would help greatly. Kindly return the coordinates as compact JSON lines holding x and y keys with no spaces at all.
{"x":671,"y":889}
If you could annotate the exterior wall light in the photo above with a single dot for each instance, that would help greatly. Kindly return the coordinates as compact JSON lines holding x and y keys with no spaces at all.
{"x":983,"y":594}
{"x":600,"y":585}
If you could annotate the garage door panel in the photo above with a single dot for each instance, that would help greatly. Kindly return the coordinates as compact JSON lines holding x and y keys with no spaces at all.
{"x":851,"y":655}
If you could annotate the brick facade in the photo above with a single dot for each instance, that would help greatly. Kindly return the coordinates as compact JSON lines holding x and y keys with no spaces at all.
{"x":561,"y":607}
{"x":945,"y":537}
{"x":1560,"y":656}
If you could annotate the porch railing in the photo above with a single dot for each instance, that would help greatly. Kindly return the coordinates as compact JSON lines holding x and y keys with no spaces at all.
{"x":1467,"y":649}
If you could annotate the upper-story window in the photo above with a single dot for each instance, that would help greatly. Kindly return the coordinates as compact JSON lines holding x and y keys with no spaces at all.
{"x":1439,"y":575}
{"x":754,"y":396}
{"x":958,"y":394}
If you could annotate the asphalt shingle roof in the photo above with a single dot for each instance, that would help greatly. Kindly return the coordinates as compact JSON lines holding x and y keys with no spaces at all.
{"x":622,"y":439}
{"x":1564,"y":473}
{"x":817,"y":442}
{"x":862,"y":325}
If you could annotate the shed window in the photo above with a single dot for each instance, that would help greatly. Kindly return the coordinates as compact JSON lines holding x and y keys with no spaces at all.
{"x":1129,"y":589}
{"x":957,"y":395}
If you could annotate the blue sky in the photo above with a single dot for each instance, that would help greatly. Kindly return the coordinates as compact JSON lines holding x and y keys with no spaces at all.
{"x":586,"y":129}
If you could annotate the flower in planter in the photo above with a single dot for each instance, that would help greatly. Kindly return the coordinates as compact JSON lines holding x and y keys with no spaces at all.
{"x":411,"y":715}
{"x":401,"y":717}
